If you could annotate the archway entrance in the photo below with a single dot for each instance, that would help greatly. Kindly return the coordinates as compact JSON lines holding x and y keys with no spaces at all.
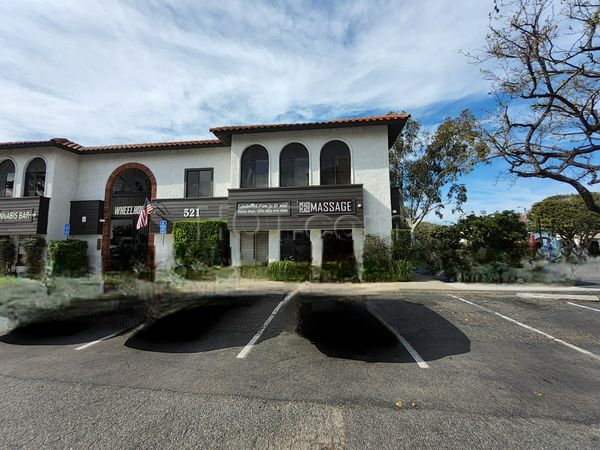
{"x":123,"y":246}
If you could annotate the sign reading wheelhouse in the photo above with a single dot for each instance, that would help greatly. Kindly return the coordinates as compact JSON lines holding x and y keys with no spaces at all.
{"x":346,"y":206}
{"x":127,"y":210}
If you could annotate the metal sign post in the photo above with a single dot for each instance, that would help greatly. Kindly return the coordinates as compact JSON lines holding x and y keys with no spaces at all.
{"x":163,"y":229}
{"x":67,"y":230}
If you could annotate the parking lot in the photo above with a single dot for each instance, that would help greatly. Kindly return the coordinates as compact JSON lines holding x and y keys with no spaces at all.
{"x":409,"y":369}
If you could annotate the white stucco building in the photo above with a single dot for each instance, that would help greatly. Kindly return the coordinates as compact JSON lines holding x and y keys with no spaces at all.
{"x":305,"y":191}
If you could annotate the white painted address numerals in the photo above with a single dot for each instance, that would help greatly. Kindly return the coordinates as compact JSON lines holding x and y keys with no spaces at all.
{"x":191,"y":212}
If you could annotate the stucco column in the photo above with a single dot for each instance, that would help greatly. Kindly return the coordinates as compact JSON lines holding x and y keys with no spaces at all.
{"x":163,"y":244}
{"x":274,"y":245}
{"x":316,"y":244}
{"x":234,"y":243}
{"x":358,"y":241}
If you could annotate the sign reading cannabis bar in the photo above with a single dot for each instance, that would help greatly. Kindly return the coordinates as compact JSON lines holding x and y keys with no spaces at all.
{"x":16,"y":215}
{"x":263,"y":209}
{"x":326,"y":206}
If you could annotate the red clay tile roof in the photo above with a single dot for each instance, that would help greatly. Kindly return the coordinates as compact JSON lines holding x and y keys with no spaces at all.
{"x":76,"y":148}
{"x":395,"y":121}
{"x":153,"y":146}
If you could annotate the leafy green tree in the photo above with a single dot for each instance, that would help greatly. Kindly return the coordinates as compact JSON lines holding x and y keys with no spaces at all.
{"x":488,"y":236}
{"x":426,"y":167}
{"x":568,"y":217}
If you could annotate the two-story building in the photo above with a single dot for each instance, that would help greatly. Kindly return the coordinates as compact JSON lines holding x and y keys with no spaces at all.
{"x":303,"y":191}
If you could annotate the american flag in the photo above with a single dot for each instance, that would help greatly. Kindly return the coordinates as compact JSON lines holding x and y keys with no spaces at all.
{"x":144,"y":213}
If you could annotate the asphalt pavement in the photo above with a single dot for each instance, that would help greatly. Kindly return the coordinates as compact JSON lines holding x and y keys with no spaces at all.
{"x":311,"y":370}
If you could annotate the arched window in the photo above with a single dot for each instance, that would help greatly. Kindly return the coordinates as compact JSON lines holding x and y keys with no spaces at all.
{"x":335,"y":163}
{"x":132,"y":182}
{"x":7,"y":178}
{"x":255,"y":167}
{"x":35,"y":178}
{"x":293,"y":165}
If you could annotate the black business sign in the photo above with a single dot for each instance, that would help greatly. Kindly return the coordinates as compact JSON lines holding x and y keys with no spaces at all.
{"x":310,"y":207}
{"x":263,"y":208}
{"x":17,"y":215}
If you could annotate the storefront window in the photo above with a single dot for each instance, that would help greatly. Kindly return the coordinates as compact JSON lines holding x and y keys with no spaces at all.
{"x":293,"y":165}
{"x":35,"y":178}
{"x":335,"y":163}
{"x":7,"y":178}
{"x":199,"y":183}
{"x":295,"y":246}
{"x":255,"y":167}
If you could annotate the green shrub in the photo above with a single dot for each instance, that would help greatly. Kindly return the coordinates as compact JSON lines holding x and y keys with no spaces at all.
{"x":67,"y":257}
{"x":288,"y":271}
{"x":403,"y":270}
{"x":401,"y":244}
{"x":33,"y":256}
{"x":377,"y":260}
{"x":200,"y":244}
{"x":7,"y":256}
{"x":331,"y":271}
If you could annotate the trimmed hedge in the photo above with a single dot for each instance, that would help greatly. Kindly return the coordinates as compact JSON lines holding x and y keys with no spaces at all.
{"x":33,"y":256}
{"x":288,"y":271}
{"x":67,"y":257}
{"x":7,"y":256}
{"x":199,"y":244}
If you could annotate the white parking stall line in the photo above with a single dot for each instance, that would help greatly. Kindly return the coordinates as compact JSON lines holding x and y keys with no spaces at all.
{"x":530,"y":328}
{"x":89,"y":344}
{"x":409,"y":348}
{"x":582,"y":306}
{"x":566,"y":296}
{"x":112,"y":335}
{"x":250,"y":345}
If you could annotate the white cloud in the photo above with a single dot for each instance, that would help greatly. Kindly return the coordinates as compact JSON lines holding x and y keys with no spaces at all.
{"x":110,"y":71}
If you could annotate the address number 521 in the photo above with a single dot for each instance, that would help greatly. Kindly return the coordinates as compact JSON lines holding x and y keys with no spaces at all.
{"x":191,"y":212}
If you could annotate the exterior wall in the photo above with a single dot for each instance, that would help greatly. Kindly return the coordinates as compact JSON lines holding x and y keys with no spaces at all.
{"x":61,"y":183}
{"x":168,"y":166}
{"x":370,"y":166}
{"x":61,"y":180}
{"x":72,"y":177}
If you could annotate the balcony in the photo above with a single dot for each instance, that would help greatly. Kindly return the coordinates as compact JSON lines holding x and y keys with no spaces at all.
{"x":296,"y":208}
{"x":23,"y":215}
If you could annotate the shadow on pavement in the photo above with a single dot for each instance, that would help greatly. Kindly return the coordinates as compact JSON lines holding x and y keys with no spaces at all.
{"x":73,"y":330}
{"x":341,"y":328}
{"x":432,"y":336}
{"x":186,"y":330}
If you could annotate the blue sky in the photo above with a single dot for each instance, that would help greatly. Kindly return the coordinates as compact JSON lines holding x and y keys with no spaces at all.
{"x":102,"y":72}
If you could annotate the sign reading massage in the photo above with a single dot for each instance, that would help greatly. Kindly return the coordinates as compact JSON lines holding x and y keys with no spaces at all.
{"x":17,"y":215}
{"x":263,"y":209}
{"x":326,"y":206}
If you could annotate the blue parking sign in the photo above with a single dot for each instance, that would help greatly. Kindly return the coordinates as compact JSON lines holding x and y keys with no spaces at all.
{"x":67,"y":229}
{"x":163,"y":227}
